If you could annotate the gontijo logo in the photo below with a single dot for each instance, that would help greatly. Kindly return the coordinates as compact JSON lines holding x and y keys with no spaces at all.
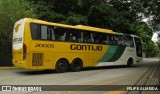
{"x":85,"y":47}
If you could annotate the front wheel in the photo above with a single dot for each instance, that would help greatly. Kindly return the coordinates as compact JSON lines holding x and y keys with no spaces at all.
{"x":61,"y":66}
{"x":129,"y":62}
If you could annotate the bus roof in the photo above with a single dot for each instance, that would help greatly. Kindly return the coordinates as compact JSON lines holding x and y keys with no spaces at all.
{"x":93,"y":28}
{"x":82,"y":27}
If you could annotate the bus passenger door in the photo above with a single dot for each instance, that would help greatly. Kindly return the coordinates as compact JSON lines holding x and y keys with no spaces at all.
{"x":138,"y":46}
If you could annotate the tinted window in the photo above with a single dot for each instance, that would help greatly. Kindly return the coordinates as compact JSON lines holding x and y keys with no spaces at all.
{"x":100,"y":38}
{"x":60,"y":33}
{"x":75,"y":35}
{"x":105,"y":39}
{"x":35,"y":31}
{"x":129,"y":41}
{"x":44,"y":32}
{"x":96,"y":37}
{"x":87,"y":37}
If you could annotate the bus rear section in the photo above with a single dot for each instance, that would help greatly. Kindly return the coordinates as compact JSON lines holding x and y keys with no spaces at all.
{"x":19,"y":48}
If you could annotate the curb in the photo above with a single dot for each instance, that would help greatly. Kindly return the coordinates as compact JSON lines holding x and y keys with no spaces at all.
{"x":150,"y":81}
{"x":8,"y":68}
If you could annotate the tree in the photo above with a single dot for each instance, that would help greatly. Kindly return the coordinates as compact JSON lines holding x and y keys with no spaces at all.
{"x":103,"y":15}
{"x":10,"y":12}
{"x":117,"y":15}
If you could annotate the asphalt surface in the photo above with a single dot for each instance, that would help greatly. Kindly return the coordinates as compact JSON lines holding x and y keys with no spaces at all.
{"x":87,"y":80}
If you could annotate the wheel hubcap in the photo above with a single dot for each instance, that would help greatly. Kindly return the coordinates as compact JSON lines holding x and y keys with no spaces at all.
{"x":61,"y":65}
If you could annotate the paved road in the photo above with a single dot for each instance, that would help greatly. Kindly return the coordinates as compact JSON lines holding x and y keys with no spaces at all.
{"x":140,"y":74}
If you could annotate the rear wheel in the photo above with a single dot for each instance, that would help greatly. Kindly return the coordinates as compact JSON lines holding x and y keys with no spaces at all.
{"x":76,"y":65}
{"x":61,"y":66}
{"x":129,"y":62}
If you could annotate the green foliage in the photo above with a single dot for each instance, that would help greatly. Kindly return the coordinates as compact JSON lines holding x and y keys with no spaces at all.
{"x":158,"y":44}
{"x":118,"y":15}
{"x":75,"y":19}
{"x":102,"y":15}
{"x":10,"y":12}
{"x":144,"y":31}
{"x":152,"y":50}
{"x":151,"y":9}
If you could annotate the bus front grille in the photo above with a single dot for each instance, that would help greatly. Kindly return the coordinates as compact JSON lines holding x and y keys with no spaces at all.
{"x":37,"y":59}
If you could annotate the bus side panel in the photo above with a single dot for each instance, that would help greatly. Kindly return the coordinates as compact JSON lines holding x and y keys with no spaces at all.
{"x":49,"y":52}
{"x":129,"y":52}
{"x":41,"y":60}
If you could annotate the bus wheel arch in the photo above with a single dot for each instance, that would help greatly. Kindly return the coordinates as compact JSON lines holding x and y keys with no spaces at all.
{"x":76,"y":64}
{"x":61,"y":65}
{"x":129,"y":62}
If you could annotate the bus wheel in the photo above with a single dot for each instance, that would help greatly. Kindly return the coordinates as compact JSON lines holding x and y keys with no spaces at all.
{"x":61,"y":66}
{"x":76,"y":65}
{"x":129,"y":62}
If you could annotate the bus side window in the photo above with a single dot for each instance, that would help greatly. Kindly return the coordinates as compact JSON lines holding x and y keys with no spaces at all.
{"x":60,"y":34}
{"x":120,"y":40}
{"x":75,"y":36}
{"x":52,"y":34}
{"x":43,"y":32}
{"x":72,"y":37}
{"x":87,"y":37}
{"x":48,"y":33}
{"x":35,"y":31}
{"x":96,"y":37}
{"x":105,"y":38}
{"x":80,"y":37}
{"x":129,"y":41}
{"x":112,"y":40}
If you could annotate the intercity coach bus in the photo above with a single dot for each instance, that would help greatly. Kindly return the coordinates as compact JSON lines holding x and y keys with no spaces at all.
{"x":43,"y":45}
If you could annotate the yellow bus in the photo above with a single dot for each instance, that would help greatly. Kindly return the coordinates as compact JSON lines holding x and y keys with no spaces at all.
{"x":43,"y":45}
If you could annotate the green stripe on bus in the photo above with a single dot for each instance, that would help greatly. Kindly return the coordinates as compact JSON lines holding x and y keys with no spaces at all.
{"x":117,"y":54}
{"x":112,"y":54}
{"x":108,"y":54}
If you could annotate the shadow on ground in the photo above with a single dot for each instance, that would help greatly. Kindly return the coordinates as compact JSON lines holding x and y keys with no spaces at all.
{"x":43,"y":72}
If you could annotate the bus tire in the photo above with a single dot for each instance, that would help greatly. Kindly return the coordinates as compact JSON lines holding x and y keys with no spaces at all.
{"x":129,"y":62}
{"x":76,"y":65}
{"x":61,"y":66}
